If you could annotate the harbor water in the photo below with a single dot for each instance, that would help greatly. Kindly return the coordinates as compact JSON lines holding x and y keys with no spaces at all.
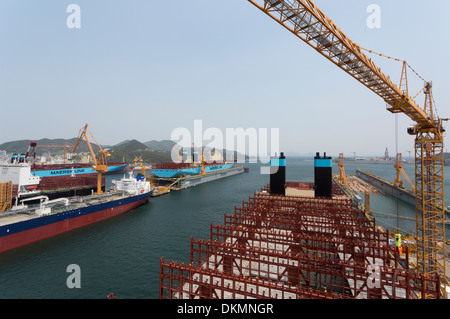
{"x":121,"y":255}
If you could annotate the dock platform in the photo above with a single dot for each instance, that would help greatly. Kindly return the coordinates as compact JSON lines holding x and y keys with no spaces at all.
{"x":165,"y":185}
{"x":387,"y":187}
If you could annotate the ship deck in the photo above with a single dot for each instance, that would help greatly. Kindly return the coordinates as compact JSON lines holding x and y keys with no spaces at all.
{"x":77,"y":202}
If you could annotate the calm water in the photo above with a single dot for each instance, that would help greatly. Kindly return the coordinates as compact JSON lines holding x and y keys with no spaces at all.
{"x":121,"y":255}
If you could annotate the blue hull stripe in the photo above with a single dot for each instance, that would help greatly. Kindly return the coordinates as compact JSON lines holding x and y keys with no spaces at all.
{"x":82,"y":170}
{"x":190,"y":171}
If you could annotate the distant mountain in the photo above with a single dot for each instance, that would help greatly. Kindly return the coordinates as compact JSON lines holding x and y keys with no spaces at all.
{"x":164,"y":145}
{"x":126,"y":141}
{"x":129,"y":151}
{"x":21,"y":146}
{"x":126,"y":151}
{"x":133,"y":145}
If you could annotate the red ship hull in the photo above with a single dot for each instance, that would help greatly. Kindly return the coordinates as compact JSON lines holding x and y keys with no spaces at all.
{"x":23,"y":238}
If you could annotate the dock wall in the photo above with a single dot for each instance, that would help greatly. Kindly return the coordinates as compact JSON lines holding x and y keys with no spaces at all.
{"x":190,"y":181}
{"x":387,"y":187}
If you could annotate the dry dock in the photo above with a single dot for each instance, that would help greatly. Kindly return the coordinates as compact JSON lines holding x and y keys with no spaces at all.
{"x":356,"y":184}
{"x":165,"y":185}
{"x":387,"y":187}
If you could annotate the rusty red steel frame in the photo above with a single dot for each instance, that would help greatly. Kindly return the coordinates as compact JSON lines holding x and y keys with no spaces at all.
{"x":294,"y":247}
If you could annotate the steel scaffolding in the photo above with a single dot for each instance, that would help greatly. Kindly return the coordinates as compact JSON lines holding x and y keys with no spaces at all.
{"x":276,"y":246}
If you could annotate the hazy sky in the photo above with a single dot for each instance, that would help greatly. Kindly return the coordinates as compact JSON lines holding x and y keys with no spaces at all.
{"x":142,"y":68}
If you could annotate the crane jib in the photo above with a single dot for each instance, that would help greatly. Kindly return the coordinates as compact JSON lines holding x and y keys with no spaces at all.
{"x":307,"y":22}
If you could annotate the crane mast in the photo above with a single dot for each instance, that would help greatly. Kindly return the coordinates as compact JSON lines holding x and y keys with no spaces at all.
{"x":306,"y":21}
{"x":342,"y":177}
{"x":100,"y":164}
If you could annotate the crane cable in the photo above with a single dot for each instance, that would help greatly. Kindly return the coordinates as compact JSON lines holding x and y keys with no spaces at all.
{"x":392,"y":58}
{"x":396,"y":119}
{"x":396,"y":152}
{"x":410,"y":67}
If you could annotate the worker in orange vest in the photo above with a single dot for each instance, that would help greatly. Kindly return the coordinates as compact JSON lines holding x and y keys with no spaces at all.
{"x":398,"y":243}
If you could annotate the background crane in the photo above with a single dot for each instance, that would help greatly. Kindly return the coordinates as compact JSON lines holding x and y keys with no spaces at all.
{"x":56,"y":146}
{"x":342,"y":177}
{"x":306,"y":21}
{"x":400,"y":171}
{"x":180,"y":159}
{"x":100,"y":164}
{"x":202,"y":170}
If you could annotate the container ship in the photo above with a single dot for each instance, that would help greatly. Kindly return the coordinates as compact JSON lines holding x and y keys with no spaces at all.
{"x":193,"y":165}
{"x":25,"y":224}
{"x":52,"y":180}
{"x":175,"y":176}
{"x":26,"y":184}
{"x":61,"y":169}
{"x":171,"y":170}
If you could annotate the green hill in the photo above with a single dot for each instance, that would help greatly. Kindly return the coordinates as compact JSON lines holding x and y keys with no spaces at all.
{"x":133,"y":145}
{"x":165,"y":145}
{"x":128,"y":151}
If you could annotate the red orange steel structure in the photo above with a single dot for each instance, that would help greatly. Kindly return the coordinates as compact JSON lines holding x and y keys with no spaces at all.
{"x":307,"y":22}
{"x":277,"y":246}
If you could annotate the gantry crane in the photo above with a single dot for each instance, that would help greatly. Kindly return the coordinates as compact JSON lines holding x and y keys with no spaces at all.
{"x":180,"y":159}
{"x":306,"y":21}
{"x":100,"y":164}
{"x":202,"y":170}
{"x":342,"y":177}
{"x":398,"y":182}
{"x":140,"y":160}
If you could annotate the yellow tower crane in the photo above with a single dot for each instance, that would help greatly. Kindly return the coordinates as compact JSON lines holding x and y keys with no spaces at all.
{"x":100,"y":164}
{"x":306,"y":21}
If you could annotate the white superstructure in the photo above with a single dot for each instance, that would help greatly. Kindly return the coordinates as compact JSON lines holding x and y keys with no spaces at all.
{"x":133,"y":185}
{"x":19,"y":174}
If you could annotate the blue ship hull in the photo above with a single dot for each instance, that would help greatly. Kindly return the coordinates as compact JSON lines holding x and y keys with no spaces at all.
{"x":170,"y":173}
{"x":28,"y":231}
{"x":77,"y":171}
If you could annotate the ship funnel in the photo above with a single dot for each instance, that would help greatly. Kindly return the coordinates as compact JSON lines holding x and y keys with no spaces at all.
{"x":184,"y":155}
{"x":323,"y":175}
{"x":278,"y":175}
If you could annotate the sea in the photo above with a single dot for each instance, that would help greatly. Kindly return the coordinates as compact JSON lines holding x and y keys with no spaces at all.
{"x":122,"y":255}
